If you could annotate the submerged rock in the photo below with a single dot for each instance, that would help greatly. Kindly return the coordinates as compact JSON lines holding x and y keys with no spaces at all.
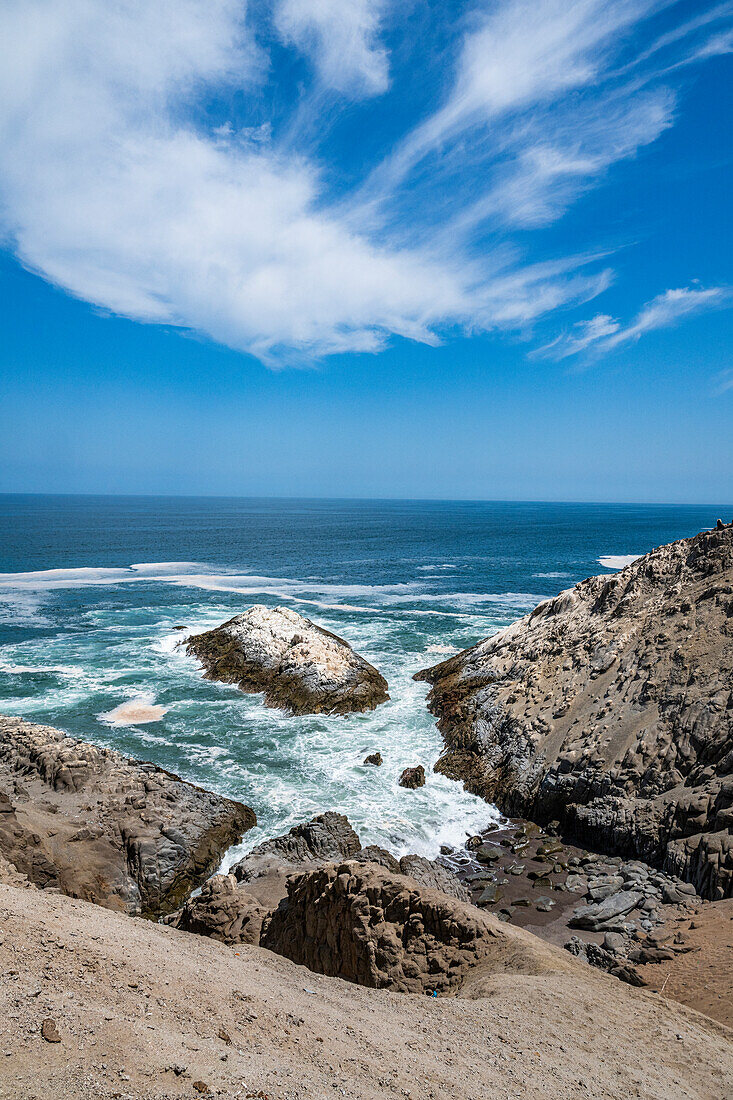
{"x":608,"y":710}
{"x":299,"y":666}
{"x":96,"y":825}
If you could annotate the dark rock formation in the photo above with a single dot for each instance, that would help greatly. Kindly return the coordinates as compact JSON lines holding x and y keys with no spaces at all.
{"x":326,"y":837}
{"x":232,"y":907}
{"x":603,"y":959}
{"x":359,"y":922}
{"x":610,"y":710}
{"x":413,"y":777}
{"x":299,"y":666}
{"x":225,"y":910}
{"x":96,"y":825}
{"x":374,"y":758}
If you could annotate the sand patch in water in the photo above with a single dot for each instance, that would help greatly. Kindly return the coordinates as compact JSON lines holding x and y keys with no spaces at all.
{"x":135,"y":712}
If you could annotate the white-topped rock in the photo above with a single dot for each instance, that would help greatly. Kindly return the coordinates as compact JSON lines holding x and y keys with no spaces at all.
{"x":299,"y":666}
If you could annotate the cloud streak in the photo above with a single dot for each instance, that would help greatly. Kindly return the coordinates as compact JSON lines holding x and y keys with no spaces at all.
{"x":117,"y":186}
{"x":341,"y":38}
{"x":603,"y":333}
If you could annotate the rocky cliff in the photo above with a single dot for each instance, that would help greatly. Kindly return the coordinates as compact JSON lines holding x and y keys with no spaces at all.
{"x":93,"y":824}
{"x":299,"y":666}
{"x":610,"y":709}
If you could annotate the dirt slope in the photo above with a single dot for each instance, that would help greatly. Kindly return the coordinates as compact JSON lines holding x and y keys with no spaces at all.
{"x":130,"y":999}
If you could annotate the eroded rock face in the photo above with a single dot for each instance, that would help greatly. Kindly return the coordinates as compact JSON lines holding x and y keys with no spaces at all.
{"x":299,"y":666}
{"x":328,"y":836}
{"x":225,"y":910}
{"x":232,"y":907}
{"x":359,"y":922}
{"x":96,"y":825}
{"x":610,"y":709}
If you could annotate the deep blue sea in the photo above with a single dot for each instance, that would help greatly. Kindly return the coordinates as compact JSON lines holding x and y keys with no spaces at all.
{"x":91,"y":589}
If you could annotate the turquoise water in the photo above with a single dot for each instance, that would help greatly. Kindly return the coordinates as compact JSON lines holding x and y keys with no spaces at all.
{"x":91,"y":589}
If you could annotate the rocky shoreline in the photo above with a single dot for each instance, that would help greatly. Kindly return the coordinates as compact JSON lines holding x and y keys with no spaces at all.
{"x":608,"y":710}
{"x":93,"y":824}
{"x":603,"y":717}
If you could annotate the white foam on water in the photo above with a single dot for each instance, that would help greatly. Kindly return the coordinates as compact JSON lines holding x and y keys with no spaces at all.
{"x":617,"y":561}
{"x":287,"y":769}
{"x":57,"y":670}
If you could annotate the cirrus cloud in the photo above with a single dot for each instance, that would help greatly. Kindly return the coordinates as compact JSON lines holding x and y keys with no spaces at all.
{"x":120,"y":183}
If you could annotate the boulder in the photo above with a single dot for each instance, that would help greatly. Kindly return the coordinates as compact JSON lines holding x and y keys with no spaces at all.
{"x":607,"y":913}
{"x":300,"y":667}
{"x":374,"y":758}
{"x":97,"y":825}
{"x":413,"y":777}
{"x":608,"y":710}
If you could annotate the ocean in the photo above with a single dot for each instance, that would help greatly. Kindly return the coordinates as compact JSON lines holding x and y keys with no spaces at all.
{"x":92,"y":589}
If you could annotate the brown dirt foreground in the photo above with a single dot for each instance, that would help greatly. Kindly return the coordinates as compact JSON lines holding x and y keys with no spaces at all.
{"x":131,"y":1000}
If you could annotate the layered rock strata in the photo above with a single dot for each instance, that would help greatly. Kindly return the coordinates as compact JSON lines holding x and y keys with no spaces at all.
{"x":609,"y":709}
{"x":300,"y":667}
{"x":93,"y":824}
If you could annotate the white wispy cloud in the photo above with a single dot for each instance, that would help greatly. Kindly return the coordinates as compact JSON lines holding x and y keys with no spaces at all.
{"x":603,"y":333}
{"x":115,"y":187}
{"x":723,"y":382}
{"x":342,"y":37}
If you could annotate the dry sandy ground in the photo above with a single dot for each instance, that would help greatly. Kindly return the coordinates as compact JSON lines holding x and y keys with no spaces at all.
{"x":131,"y":999}
{"x":703,"y":977}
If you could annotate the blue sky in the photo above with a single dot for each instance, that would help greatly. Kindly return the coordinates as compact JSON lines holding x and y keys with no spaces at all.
{"x":376,"y":248}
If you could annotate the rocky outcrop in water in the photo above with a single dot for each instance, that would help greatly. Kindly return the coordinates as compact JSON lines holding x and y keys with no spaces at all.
{"x":610,"y":710}
{"x":412,"y":778}
{"x":299,"y":666}
{"x":93,"y":824}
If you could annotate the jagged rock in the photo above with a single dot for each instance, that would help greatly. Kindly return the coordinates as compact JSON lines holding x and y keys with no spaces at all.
{"x":299,"y":666}
{"x":413,"y":777}
{"x":357,"y":921}
{"x":374,"y":758}
{"x":143,"y":839}
{"x":328,"y":836}
{"x":374,"y":854}
{"x":609,"y":709}
{"x":433,"y":875}
{"x":604,"y":959}
{"x":232,"y":907}
{"x":225,"y":909}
